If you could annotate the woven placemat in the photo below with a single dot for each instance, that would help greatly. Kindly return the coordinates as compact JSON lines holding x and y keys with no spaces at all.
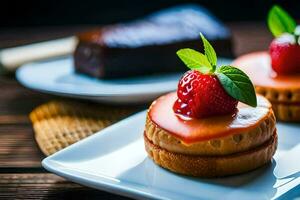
{"x":58,"y":124}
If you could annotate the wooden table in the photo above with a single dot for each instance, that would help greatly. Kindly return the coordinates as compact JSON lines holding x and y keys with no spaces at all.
{"x":21,"y":174}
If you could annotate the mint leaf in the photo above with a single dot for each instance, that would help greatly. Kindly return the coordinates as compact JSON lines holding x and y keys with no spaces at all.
{"x":194,"y":60}
{"x":237,"y":84}
{"x":209,"y":52}
{"x":279,"y":21}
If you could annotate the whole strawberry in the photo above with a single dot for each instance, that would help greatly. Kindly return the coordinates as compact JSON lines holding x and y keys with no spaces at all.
{"x":285,"y":55}
{"x":206,"y":90}
{"x":202,"y":95}
{"x":284,"y":49}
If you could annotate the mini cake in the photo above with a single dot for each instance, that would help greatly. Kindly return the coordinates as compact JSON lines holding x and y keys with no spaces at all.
{"x":202,"y":130}
{"x":276,"y":74}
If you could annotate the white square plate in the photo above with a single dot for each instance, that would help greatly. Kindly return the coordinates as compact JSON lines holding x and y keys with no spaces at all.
{"x":114,"y":160}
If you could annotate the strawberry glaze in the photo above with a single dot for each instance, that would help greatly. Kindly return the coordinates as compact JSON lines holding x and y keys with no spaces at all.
{"x":195,"y":130}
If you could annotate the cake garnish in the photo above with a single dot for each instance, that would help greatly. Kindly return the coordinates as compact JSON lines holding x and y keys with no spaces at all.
{"x":208,"y":89}
{"x":285,"y":48}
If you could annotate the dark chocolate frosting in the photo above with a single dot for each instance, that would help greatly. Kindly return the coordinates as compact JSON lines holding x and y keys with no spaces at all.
{"x":148,"y":45}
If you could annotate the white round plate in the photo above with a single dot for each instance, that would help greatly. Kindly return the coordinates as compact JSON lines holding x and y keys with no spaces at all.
{"x":58,"y":77}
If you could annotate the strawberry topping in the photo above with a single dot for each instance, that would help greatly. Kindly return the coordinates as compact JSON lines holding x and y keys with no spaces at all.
{"x":285,"y":55}
{"x":202,"y":95}
{"x":208,"y":90}
{"x":285,"y":48}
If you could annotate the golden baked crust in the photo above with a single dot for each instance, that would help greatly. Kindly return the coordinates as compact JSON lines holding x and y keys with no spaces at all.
{"x":285,"y":102}
{"x":287,"y":112}
{"x":220,"y":146}
{"x":279,"y":95}
{"x":212,"y":166}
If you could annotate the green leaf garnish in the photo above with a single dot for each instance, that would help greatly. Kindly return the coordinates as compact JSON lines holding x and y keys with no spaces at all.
{"x":209,"y":51}
{"x":237,"y":84}
{"x":194,"y":60}
{"x":279,"y":21}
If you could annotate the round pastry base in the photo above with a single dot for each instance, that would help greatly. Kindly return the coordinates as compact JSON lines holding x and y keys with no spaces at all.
{"x":212,"y":166}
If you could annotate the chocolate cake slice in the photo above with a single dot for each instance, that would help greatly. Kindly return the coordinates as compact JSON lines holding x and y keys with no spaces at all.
{"x":148,"y":46}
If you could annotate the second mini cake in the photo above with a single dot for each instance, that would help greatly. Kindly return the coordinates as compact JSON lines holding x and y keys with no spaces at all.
{"x":276,"y":74}
{"x":202,"y":130}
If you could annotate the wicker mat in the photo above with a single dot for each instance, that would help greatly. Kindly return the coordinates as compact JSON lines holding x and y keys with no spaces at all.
{"x":58,"y":124}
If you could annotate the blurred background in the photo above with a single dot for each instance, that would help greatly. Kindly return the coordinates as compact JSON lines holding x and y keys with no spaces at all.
{"x":53,"y":12}
{"x":23,"y":22}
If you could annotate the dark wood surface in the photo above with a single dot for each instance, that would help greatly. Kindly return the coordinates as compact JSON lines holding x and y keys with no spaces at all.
{"x":21,"y":174}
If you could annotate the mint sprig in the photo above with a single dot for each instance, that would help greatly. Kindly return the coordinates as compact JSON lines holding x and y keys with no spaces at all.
{"x":209,"y":52}
{"x":279,"y":21}
{"x":194,"y":60}
{"x":235,"y":82}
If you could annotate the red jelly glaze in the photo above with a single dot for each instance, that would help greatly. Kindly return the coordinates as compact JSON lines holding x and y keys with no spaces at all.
{"x":195,"y":130}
